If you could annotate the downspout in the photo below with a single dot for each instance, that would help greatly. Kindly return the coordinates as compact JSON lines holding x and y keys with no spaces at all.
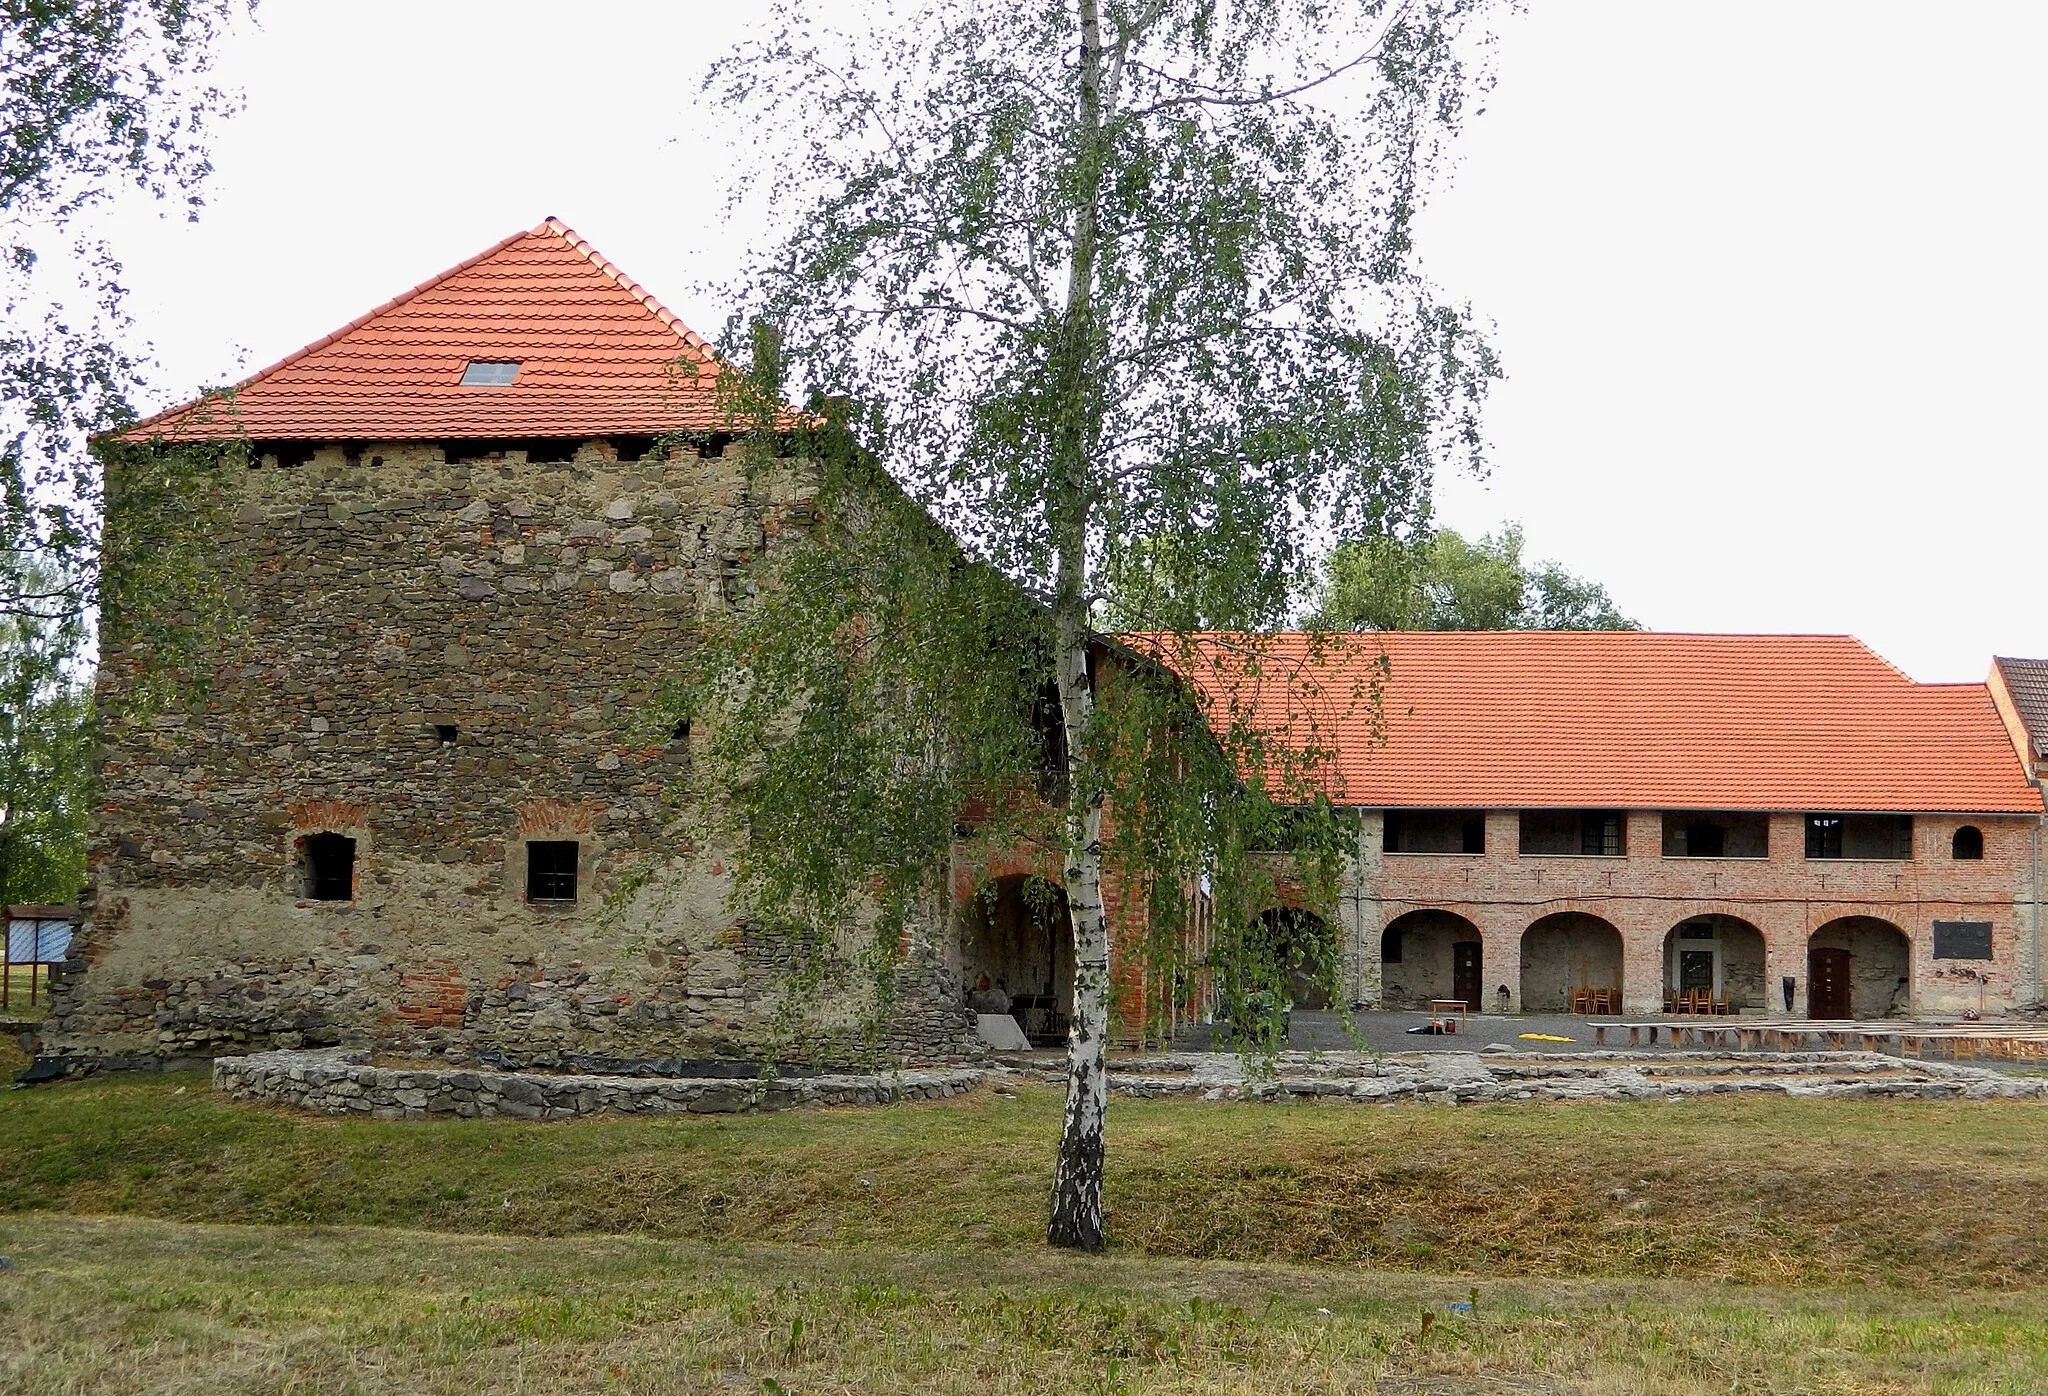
{"x":1358,"y":910}
{"x":2037,"y":913}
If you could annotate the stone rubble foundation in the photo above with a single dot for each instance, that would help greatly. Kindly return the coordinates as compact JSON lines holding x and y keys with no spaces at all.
{"x":344,"y":1082}
{"x":1473,"y":1078}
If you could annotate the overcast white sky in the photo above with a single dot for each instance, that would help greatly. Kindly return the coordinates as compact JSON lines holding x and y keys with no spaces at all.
{"x":1767,"y":274}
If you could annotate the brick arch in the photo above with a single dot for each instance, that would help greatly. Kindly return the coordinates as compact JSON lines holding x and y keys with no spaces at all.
{"x":1564,"y":951}
{"x":1418,"y":955}
{"x":1858,"y":966}
{"x":1024,"y":947}
{"x":1722,"y":951}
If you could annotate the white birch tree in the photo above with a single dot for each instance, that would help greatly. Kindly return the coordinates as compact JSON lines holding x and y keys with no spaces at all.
{"x":1080,"y":277}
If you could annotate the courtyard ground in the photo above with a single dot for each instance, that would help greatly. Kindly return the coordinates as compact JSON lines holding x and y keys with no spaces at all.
{"x":161,"y":1240}
{"x":1388,"y":1032}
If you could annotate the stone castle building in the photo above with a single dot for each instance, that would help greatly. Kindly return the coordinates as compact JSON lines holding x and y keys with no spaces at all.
{"x":415,"y":802}
{"x":400,"y":808}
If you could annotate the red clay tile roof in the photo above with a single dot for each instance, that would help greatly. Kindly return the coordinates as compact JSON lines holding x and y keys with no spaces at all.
{"x":1641,"y":720}
{"x":598,"y":356}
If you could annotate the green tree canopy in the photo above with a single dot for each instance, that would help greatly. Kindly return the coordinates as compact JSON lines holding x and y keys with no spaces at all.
{"x":1440,"y":580}
{"x":96,"y":97}
{"x":46,"y":740}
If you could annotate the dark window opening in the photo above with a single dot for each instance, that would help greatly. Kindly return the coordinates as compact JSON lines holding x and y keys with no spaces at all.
{"x":551,"y":870}
{"x":1823,"y":836}
{"x":681,"y":731}
{"x":540,"y":450}
{"x":1390,"y":946}
{"x":1717,"y":834}
{"x":328,"y":867}
{"x":1599,"y":833}
{"x":1435,"y":831}
{"x":490,"y":373}
{"x":1048,"y":720}
{"x":285,"y":454}
{"x":1967,"y":843}
{"x":1876,"y":836}
{"x":446,"y":732}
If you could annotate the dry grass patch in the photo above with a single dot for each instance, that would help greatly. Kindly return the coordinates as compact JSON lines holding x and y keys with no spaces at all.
{"x":1754,"y":1190}
{"x":127,"y":1305}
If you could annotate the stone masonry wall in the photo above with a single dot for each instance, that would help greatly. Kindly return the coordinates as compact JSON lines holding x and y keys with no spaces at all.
{"x":535,"y":609}
{"x":345,"y":1083}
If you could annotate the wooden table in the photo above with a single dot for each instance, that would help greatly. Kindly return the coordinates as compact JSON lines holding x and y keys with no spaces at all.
{"x":1441,"y":1011}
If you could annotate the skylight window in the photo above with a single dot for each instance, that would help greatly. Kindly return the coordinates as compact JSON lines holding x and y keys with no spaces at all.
{"x":490,"y":373}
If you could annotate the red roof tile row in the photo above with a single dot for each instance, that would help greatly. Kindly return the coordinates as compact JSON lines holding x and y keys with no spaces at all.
{"x":1631,"y":720}
{"x":598,"y":356}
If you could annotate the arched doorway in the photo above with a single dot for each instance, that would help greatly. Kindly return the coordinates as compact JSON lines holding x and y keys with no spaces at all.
{"x":1858,"y":967}
{"x":1714,"y":961}
{"x":1304,"y":950}
{"x":1428,"y":955}
{"x":1565,"y":958}
{"x":1014,"y":933}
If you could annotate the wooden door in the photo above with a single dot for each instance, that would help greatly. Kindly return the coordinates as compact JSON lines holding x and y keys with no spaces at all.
{"x":1827,"y":984}
{"x":1466,"y":976}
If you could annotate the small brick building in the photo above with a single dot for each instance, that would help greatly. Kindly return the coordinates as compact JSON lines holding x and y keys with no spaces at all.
{"x":1634,"y":821}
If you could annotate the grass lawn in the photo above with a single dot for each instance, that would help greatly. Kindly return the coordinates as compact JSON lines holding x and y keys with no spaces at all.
{"x":1738,"y":1245}
{"x":127,"y":1305}
{"x":26,"y":992}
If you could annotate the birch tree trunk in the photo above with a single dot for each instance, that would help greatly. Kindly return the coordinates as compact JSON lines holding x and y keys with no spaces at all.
{"x":1076,"y":1213}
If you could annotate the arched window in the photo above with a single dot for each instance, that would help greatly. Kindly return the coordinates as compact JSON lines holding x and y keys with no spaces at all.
{"x":1968,"y":842}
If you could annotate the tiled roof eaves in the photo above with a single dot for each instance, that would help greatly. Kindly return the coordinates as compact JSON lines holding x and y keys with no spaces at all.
{"x":625,"y":283}
{"x":141,"y":430}
{"x":1654,"y":721}
{"x":598,"y":411}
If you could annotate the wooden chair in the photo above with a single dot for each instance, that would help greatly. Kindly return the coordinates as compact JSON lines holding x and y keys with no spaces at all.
{"x":1582,"y":1000}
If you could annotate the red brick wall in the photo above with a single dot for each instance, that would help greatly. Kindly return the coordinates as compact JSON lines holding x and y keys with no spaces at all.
{"x":1786,"y":897}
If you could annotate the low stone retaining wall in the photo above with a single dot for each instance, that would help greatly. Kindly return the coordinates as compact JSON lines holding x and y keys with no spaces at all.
{"x":340,"y":1082}
{"x":1471,"y":1078}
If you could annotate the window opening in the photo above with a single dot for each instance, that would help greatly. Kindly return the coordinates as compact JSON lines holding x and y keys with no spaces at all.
{"x":1823,"y":836}
{"x":445,"y":733}
{"x":551,"y":870}
{"x":1475,"y":834}
{"x":1435,"y":831}
{"x":490,"y":373}
{"x":329,"y":867}
{"x":681,"y":731}
{"x":1967,"y":843}
{"x":1600,"y":834}
{"x":1875,"y":836}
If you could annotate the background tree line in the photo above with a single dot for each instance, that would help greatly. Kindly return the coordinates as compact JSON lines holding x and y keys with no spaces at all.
{"x":99,"y":100}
